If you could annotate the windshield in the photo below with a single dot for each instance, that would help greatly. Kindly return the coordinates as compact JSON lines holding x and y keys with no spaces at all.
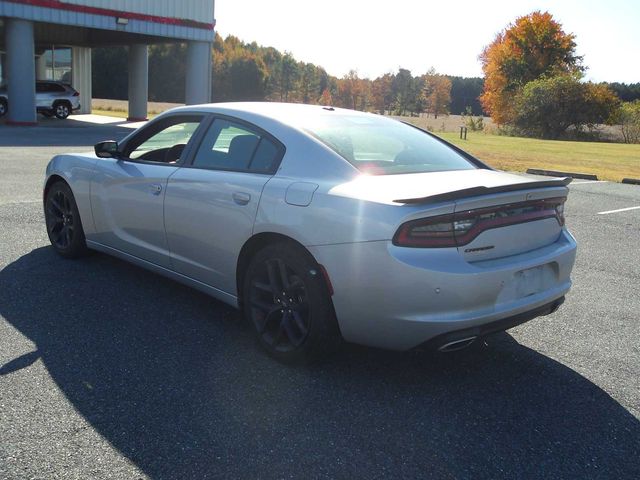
{"x":380,"y":146}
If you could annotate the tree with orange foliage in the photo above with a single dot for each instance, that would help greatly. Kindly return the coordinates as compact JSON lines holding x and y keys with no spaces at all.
{"x":436,"y":93}
{"x":349,"y":90}
{"x":326,"y":98}
{"x":382,"y":93}
{"x":533,"y":46}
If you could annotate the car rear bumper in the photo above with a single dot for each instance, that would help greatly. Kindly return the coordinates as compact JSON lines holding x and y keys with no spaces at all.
{"x":399,"y":298}
{"x":452,"y":340}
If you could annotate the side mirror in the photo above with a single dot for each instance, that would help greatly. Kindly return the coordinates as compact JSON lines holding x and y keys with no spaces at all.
{"x":108,"y":149}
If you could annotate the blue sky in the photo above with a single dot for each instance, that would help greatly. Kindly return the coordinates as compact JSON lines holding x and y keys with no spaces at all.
{"x":375,"y":37}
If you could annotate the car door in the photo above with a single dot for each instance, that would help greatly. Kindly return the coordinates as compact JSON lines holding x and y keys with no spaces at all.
{"x":127,"y":193}
{"x":43,"y":95}
{"x":211,"y":204}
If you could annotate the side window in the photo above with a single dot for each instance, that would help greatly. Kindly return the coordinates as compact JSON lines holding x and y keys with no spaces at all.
{"x":57,"y":88}
{"x":42,"y":87}
{"x":231,"y":146}
{"x":165,"y":142}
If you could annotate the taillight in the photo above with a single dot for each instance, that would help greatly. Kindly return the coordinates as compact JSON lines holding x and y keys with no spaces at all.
{"x":461,"y":228}
{"x":76,"y":94}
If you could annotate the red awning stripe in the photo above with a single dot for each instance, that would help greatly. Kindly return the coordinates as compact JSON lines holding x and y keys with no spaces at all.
{"x":58,"y":5}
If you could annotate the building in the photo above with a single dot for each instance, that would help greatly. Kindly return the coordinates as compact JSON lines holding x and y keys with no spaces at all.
{"x":31,"y":31}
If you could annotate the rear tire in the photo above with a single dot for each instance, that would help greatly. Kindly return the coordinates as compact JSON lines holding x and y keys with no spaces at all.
{"x":61,"y":110}
{"x":4,"y":107}
{"x":287,"y":303}
{"x":64,"y":227}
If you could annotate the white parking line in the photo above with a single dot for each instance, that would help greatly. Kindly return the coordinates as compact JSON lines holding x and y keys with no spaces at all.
{"x":589,"y":181}
{"x":17,"y":202}
{"x":619,"y":210}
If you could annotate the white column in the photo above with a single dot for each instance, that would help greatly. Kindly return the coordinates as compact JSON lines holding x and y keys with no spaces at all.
{"x":81,"y":76}
{"x":41,"y":67}
{"x":138,"y":82}
{"x":198,"y":74}
{"x":21,"y":71}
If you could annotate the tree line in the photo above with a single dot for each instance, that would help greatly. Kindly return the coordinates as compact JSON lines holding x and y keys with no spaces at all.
{"x":533,"y":82}
{"x":251,"y":72}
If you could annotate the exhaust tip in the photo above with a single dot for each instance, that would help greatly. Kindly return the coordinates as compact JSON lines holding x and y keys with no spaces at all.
{"x":457,"y":344}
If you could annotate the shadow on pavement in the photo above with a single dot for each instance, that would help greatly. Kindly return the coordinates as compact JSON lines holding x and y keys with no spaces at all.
{"x":81,"y":130}
{"x":173,"y":380}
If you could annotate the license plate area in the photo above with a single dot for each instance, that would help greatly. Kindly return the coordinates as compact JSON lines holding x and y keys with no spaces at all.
{"x":533,"y":280}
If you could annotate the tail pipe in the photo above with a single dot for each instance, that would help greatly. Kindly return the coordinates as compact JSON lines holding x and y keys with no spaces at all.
{"x":457,"y":344}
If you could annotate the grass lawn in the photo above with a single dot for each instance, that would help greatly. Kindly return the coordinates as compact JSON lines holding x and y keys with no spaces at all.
{"x":610,"y":161}
{"x":117,"y":113}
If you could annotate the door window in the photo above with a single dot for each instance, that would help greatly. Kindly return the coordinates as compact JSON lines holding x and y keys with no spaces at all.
{"x":163,"y":142}
{"x":231,"y":146}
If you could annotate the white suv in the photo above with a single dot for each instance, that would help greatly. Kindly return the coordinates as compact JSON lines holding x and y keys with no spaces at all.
{"x":52,"y":98}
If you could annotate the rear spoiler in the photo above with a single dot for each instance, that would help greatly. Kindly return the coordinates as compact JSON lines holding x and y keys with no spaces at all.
{"x":476,"y":191}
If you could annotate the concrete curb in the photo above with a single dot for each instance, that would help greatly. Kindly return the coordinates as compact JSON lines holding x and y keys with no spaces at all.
{"x":632,"y":181}
{"x":555,"y":173}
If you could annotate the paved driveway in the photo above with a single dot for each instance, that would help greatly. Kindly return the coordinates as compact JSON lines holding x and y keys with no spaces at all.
{"x":108,"y":371}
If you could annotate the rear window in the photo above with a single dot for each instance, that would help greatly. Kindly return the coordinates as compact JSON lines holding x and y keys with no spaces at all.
{"x":381,"y":146}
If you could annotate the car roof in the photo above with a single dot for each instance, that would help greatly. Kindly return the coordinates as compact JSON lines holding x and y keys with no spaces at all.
{"x":54,"y":82}
{"x":290,"y":114}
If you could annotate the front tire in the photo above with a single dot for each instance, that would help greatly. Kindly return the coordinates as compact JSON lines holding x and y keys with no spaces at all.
{"x":64,"y":227}
{"x":286,"y":301}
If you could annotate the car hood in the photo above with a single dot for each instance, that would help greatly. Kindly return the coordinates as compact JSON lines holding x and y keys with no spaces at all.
{"x":434,"y":187}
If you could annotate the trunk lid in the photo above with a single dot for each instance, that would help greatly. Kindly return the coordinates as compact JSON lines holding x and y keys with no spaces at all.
{"x":496,"y":214}
{"x":434,"y":187}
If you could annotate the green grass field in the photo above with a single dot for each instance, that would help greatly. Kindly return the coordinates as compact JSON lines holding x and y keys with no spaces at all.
{"x":610,"y":161}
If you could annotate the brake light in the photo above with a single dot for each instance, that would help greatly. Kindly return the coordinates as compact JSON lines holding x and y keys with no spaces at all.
{"x":460,"y":228}
{"x":76,"y":94}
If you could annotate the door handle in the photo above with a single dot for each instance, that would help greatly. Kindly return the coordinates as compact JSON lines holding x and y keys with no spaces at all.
{"x":155,"y":188}
{"x":241,"y":198}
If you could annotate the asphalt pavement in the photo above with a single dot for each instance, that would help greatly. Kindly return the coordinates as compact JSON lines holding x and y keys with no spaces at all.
{"x":109,"y":371}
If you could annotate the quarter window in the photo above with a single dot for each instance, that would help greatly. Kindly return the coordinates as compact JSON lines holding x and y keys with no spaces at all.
{"x":231,"y":146}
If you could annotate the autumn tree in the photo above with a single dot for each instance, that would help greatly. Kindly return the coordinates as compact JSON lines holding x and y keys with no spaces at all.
{"x":349,"y":90}
{"x":436,"y":93}
{"x":326,"y":98}
{"x":533,"y":46}
{"x":382,"y":93}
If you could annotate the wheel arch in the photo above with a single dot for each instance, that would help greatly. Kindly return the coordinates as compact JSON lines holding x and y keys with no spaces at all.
{"x":61,"y":100}
{"x":53,"y":178}
{"x":256,"y":243}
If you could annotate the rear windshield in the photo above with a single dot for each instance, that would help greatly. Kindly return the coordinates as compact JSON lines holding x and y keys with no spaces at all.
{"x":381,"y":146}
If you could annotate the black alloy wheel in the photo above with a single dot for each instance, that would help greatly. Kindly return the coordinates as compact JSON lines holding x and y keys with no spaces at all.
{"x":287,"y":302}
{"x":63,"y":221}
{"x":279,"y":306}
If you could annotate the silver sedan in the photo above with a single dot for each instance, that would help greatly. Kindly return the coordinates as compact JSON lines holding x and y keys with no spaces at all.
{"x":321,"y":224}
